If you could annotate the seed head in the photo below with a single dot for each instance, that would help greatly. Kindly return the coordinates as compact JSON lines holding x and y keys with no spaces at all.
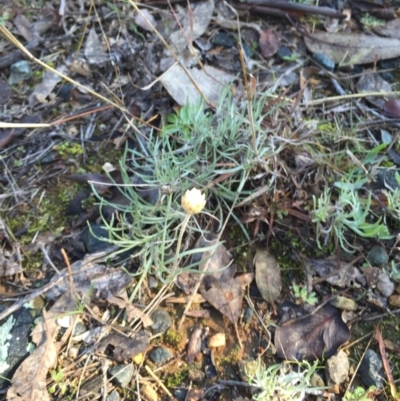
{"x":193,"y":201}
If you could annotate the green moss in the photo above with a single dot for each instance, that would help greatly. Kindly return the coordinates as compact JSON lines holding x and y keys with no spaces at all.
{"x":175,"y":379}
{"x":172,"y":337}
{"x":66,"y":149}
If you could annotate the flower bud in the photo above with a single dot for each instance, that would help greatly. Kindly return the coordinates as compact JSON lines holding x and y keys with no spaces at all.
{"x":193,"y":201}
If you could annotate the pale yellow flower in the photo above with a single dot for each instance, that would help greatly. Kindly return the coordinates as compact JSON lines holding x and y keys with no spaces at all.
{"x":193,"y":201}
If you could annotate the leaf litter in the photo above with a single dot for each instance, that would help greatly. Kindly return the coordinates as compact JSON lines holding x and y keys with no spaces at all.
{"x":132,"y":64}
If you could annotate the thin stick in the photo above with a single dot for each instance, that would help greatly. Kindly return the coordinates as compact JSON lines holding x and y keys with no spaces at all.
{"x":159,"y":382}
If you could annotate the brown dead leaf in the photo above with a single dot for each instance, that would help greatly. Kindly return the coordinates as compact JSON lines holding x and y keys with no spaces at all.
{"x":373,"y":83}
{"x":353,"y":48}
{"x":65,"y":304}
{"x":225,"y":296}
{"x":29,"y":381}
{"x":198,"y":314}
{"x":217,"y":259}
{"x":330,"y":272}
{"x":391,"y":108}
{"x":125,"y":347}
{"x":269,"y":43}
{"x":194,"y":345}
{"x":268,"y":275}
{"x":304,"y":335}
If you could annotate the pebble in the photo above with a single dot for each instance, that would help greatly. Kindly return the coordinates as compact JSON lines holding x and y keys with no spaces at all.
{"x":19,"y":71}
{"x":122,"y":374}
{"x":324,"y":61}
{"x":371,"y":371}
{"x":377,"y":256}
{"x":337,"y":368}
{"x":160,"y":355}
{"x":217,"y":340}
{"x":284,"y":53}
{"x":248,"y":315}
{"x":113,"y":396}
{"x":80,"y":328}
{"x":223,"y":39}
{"x":386,"y":178}
{"x":161,"y":321}
{"x":344,"y":303}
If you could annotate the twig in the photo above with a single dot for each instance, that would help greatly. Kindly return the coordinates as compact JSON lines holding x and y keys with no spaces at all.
{"x":159,"y":382}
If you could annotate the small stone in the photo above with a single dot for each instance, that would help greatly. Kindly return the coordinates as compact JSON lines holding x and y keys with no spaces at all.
{"x":344,"y":303}
{"x":371,"y":371}
{"x":324,"y":61}
{"x":284,"y":53}
{"x":121,"y":374}
{"x":223,"y":39}
{"x":161,"y":321}
{"x":317,"y":381}
{"x":248,"y":315}
{"x":386,"y":178}
{"x":337,"y":368}
{"x":73,"y":352}
{"x":384,"y":284}
{"x":113,"y":396}
{"x":91,"y":237}
{"x":217,"y":340}
{"x":19,"y":71}
{"x":160,"y":355}
{"x":377,"y":256}
{"x":80,"y":328}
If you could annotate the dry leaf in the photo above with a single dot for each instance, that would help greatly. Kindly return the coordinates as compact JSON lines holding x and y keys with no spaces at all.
{"x":65,"y":304}
{"x":304,"y":335}
{"x":225,"y":296}
{"x":269,"y":43}
{"x":125,"y":347}
{"x":353,"y":48}
{"x":94,"y":52}
{"x":29,"y":380}
{"x":209,"y":80}
{"x":192,"y":25}
{"x":131,"y":310}
{"x":268,"y":275}
{"x":91,"y":278}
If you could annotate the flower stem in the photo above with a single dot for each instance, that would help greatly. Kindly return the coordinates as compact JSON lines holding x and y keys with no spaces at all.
{"x":178,"y":246}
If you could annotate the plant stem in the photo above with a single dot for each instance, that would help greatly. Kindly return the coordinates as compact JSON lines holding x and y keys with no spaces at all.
{"x":178,"y":245}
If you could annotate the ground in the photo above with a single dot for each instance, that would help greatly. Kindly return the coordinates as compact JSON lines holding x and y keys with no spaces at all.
{"x":284,"y":121}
